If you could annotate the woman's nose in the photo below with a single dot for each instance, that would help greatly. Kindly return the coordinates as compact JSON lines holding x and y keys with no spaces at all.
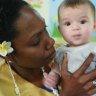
{"x":50,"y":43}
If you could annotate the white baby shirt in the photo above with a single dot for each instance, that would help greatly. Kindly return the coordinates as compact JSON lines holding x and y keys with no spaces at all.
{"x":76,"y":56}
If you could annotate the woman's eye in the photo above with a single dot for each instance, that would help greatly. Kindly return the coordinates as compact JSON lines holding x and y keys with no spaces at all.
{"x":67,"y":24}
{"x":83,"y":21}
{"x":36,"y":42}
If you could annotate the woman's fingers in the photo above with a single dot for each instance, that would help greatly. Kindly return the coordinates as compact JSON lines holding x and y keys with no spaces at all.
{"x":84,"y":66}
{"x":89,"y":86}
{"x":81,"y":70}
{"x":64,"y":68}
{"x":90,"y":76}
{"x":79,"y":80}
{"x":91,"y":92}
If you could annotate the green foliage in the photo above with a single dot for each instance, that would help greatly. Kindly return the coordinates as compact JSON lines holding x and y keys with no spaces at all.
{"x":56,"y":33}
{"x":93,"y":39}
{"x":36,"y":5}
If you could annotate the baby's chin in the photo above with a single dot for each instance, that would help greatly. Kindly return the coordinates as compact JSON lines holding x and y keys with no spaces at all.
{"x":76,"y":44}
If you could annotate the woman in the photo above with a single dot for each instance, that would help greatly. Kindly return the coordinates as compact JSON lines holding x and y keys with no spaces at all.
{"x":27,"y":49}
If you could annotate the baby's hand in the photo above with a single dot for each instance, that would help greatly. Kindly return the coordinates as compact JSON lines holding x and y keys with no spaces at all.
{"x":51,"y":79}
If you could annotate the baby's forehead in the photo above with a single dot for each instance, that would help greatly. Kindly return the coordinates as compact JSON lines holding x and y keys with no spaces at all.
{"x":89,"y":5}
{"x":78,"y":7}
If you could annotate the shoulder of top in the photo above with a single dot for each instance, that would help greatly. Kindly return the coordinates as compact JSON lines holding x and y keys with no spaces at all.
{"x":93,"y":43}
{"x":2,"y":61}
{"x":61,"y":48}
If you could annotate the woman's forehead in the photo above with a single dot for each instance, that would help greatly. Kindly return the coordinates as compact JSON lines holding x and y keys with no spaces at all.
{"x":29,"y":17}
{"x":29,"y":23}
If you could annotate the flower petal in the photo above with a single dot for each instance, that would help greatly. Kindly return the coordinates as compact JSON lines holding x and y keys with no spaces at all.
{"x":3,"y":53}
{"x":5,"y":48}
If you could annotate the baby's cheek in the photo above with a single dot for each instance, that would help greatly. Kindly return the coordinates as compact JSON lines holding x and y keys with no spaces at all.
{"x":67,"y":36}
{"x":86,"y":38}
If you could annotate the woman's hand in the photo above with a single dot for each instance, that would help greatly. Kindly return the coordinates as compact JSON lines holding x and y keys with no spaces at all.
{"x":78,"y":83}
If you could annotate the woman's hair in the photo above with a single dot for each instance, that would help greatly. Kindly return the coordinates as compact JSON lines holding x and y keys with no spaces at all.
{"x":9,"y":13}
{"x":74,"y":3}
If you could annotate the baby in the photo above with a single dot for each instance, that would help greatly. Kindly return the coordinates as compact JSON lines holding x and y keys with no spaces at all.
{"x":76,"y":24}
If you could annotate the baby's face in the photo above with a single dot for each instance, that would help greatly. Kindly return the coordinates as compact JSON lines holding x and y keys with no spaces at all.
{"x":76,"y":24}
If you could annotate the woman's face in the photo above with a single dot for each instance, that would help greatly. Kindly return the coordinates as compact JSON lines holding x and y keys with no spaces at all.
{"x":33,"y":47}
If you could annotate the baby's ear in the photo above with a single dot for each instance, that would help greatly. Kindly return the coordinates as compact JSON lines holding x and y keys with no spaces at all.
{"x":59,"y":27}
{"x":95,"y":26}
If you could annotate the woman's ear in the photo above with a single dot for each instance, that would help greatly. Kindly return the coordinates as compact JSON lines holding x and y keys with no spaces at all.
{"x":8,"y":58}
{"x":5,"y":59}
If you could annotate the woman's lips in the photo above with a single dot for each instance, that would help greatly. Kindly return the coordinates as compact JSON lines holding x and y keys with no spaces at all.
{"x":52,"y":55}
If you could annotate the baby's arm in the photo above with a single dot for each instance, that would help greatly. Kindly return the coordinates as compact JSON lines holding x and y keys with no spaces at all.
{"x":51,"y":79}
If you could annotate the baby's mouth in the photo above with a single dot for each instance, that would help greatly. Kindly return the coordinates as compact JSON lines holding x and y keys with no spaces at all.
{"x":77,"y":36}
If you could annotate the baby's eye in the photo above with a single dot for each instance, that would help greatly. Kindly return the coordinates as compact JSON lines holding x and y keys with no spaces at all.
{"x":67,"y":23}
{"x":83,"y":21}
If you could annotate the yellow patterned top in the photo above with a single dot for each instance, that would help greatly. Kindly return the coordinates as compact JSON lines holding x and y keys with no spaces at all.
{"x":26,"y":88}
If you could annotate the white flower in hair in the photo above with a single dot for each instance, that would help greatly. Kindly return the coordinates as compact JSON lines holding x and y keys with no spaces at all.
{"x":5,"y":48}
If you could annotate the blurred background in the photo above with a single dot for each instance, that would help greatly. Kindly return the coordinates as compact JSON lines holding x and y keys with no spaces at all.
{"x":48,"y":10}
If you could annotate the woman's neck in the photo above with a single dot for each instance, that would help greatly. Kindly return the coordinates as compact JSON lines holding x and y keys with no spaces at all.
{"x":33,"y":75}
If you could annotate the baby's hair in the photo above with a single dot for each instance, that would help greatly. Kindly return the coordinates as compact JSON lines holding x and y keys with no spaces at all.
{"x":74,"y":3}
{"x":9,"y":13}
